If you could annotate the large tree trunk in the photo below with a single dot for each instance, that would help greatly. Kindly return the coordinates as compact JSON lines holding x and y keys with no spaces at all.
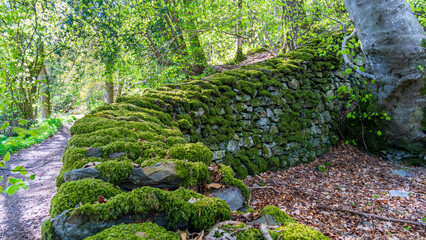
{"x":391,"y":40}
{"x":109,"y":86}
{"x":44,"y":93}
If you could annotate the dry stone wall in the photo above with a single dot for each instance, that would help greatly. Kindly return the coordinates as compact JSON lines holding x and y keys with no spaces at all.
{"x":123,"y":156}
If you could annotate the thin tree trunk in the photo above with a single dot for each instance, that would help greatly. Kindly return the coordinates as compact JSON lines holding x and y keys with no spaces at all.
{"x":109,"y":86}
{"x":44,"y":92}
{"x":239,"y":40}
{"x":391,"y":40}
{"x":120,"y":89}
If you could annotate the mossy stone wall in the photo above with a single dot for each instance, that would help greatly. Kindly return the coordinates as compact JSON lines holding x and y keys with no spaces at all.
{"x":265,"y":116}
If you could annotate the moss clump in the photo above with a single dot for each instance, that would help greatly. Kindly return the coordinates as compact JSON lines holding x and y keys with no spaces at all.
{"x":194,"y":152}
{"x":136,"y":231}
{"x":291,"y":231}
{"x":198,"y":214}
{"x":229,"y":179}
{"x":47,"y":231}
{"x":85,"y":191}
{"x":279,"y":216}
{"x":115,"y":172}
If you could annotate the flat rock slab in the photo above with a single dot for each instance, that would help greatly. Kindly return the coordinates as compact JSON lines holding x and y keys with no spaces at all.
{"x":232,"y":196}
{"x":402,"y":173}
{"x":159,"y":175}
{"x":397,"y":193}
{"x":69,"y":226}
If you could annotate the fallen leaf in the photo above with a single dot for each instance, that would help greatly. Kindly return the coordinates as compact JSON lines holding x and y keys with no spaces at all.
{"x":102,"y":199}
{"x":214,"y":185}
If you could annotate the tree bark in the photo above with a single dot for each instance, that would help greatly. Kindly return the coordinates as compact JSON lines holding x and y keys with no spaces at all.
{"x":109,"y":86}
{"x":120,"y":89}
{"x":239,"y":40}
{"x":44,"y":92}
{"x":391,"y":40}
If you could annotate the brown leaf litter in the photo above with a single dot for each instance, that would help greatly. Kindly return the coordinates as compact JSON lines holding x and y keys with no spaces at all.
{"x":344,"y":200}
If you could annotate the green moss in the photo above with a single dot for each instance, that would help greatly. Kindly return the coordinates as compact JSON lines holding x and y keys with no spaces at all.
{"x":291,"y":231}
{"x":279,"y":215}
{"x":136,"y":150}
{"x":201,"y":213}
{"x":135,"y":231}
{"x":229,"y":179}
{"x":115,"y":172}
{"x":47,"y":231}
{"x":71,"y":194}
{"x":194,"y":152}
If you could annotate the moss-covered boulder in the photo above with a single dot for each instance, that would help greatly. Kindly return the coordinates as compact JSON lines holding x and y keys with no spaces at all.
{"x":180,"y":209}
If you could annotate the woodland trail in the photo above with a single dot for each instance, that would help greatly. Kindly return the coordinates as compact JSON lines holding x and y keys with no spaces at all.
{"x":22,"y":214}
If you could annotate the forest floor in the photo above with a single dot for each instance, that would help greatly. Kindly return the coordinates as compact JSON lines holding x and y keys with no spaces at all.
{"x":251,"y":59}
{"x":22,"y":214}
{"x":351,"y":180}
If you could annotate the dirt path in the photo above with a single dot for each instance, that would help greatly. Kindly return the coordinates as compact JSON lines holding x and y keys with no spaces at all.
{"x":22,"y":214}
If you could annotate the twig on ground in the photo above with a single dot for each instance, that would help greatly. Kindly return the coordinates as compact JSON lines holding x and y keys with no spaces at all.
{"x":241,"y":229}
{"x":371,"y":215}
{"x":264,"y":187}
{"x":280,"y":236}
{"x":265,"y":232}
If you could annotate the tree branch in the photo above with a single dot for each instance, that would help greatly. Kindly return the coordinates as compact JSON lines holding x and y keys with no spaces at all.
{"x":371,"y":215}
{"x":350,"y":63}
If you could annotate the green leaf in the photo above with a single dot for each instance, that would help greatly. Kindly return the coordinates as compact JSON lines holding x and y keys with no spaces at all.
{"x":23,"y":171}
{"x":1,"y":189}
{"x":12,"y":189}
{"x":6,"y":157}
{"x":14,"y":181}
{"x":32,"y":177}
{"x":5,"y":125}
{"x":2,"y":164}
{"x":379,"y":133}
{"x":22,"y":121}
{"x":348,"y":71}
{"x":345,"y":51}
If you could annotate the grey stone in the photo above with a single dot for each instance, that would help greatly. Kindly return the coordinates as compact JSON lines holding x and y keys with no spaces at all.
{"x":266,"y":151}
{"x":246,"y":115}
{"x":274,"y":129}
{"x":263,"y":122}
{"x":94,"y":152}
{"x":116,"y":155}
{"x":277,"y":151}
{"x":159,"y":175}
{"x":247,"y":97}
{"x":402,"y":173}
{"x":249,"y":109}
{"x":218,"y":154}
{"x":246,"y":142}
{"x":293,"y":84}
{"x":233,"y":146}
{"x":238,"y":98}
{"x":278,"y":111}
{"x":232,"y":196}
{"x":269,"y":113}
{"x":200,"y":112}
{"x":82,"y":173}
{"x":68,"y":226}
{"x":268,"y":220}
{"x":222,"y":146}
{"x":325,"y":116}
{"x":214,"y":127}
{"x":329,"y":94}
{"x":246,"y":123}
{"x":397,"y":193}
